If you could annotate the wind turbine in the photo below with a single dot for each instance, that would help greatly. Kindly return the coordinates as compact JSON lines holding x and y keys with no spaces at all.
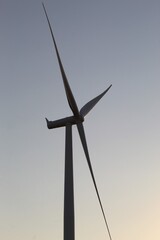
{"x":76,"y":119}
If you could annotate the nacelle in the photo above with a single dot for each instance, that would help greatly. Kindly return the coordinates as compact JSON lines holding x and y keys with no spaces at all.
{"x":64,"y":122}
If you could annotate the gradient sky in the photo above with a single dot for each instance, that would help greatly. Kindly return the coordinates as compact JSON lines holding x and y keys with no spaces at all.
{"x":101,"y":43}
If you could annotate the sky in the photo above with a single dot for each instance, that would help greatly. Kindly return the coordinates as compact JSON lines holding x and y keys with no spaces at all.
{"x":101,"y":43}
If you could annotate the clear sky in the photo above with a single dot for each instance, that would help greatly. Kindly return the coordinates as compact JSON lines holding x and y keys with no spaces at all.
{"x":101,"y":43}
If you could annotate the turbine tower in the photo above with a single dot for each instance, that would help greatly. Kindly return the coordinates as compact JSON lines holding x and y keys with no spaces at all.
{"x":76,"y":119}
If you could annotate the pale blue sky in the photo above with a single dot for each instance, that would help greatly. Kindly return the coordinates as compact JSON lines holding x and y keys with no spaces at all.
{"x":101,"y":43}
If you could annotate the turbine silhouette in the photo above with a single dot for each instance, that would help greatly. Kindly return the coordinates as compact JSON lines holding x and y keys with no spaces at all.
{"x":76,"y":119}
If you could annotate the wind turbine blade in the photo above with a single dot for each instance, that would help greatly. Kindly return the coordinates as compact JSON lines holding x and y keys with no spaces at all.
{"x":88,"y":106}
{"x":84,"y":144}
{"x":69,"y":94}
